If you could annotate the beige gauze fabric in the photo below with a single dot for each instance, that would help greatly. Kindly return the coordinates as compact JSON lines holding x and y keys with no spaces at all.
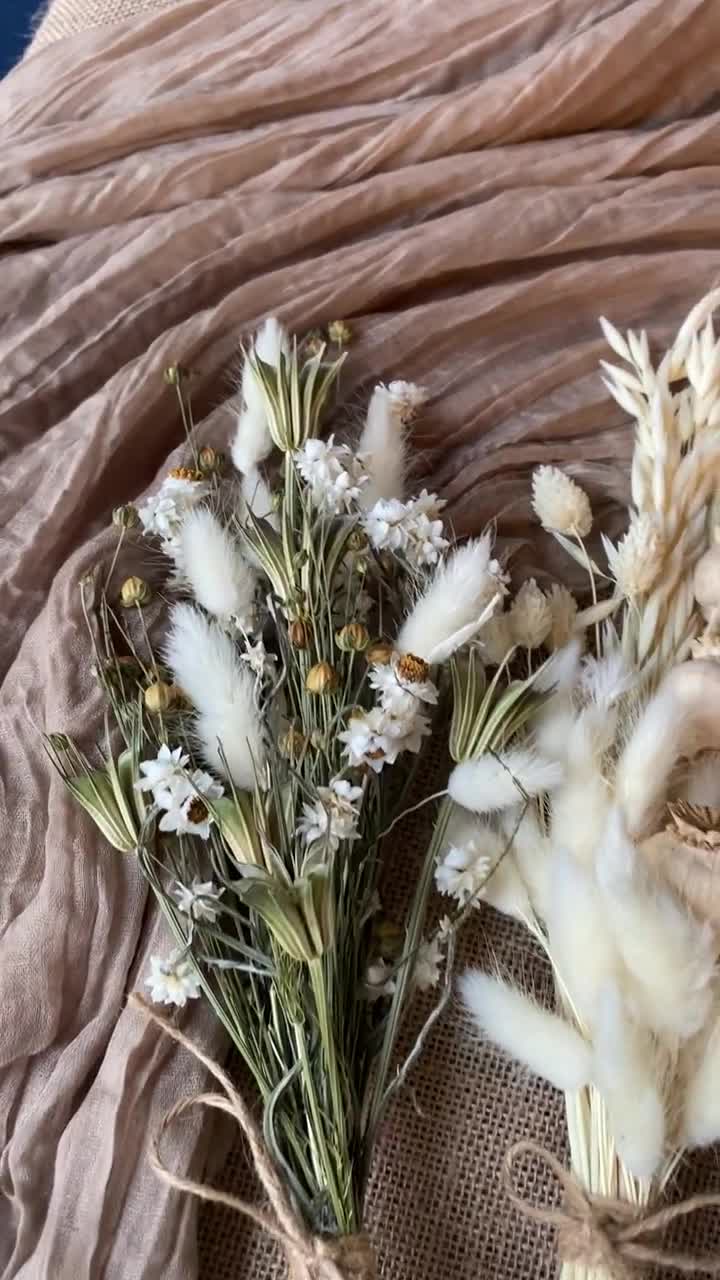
{"x":470,"y":185}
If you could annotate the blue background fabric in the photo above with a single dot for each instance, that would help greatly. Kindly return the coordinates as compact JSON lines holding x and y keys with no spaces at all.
{"x":16,"y":19}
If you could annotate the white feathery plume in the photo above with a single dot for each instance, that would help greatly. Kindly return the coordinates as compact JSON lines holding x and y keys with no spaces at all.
{"x":701,"y":1118}
{"x":252,"y":441}
{"x":648,"y":759}
{"x":221,"y":579}
{"x":541,"y":1040}
{"x":561,"y":671}
{"x":258,"y":497}
{"x":382,"y":450}
{"x":531,"y":853}
{"x":669,"y":954}
{"x":582,"y":946}
{"x":580,"y":805}
{"x":499,"y":780}
{"x":505,"y":889}
{"x":625,"y":1072}
{"x":207,"y":667}
{"x":465,"y":591}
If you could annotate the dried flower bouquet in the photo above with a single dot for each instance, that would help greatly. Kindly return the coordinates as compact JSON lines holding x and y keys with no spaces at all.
{"x":267,"y":701}
{"x":596,"y":822}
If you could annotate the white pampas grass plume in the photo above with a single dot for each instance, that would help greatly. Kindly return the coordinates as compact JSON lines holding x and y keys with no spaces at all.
{"x":542,"y":1041}
{"x":560,"y":504}
{"x":252,"y":441}
{"x":498,"y":780}
{"x":382,"y":449}
{"x":670,"y":955}
{"x":581,"y":943}
{"x":530,"y":616}
{"x":464,"y":593}
{"x":564,"y":611}
{"x":207,"y":667}
{"x":221,"y":579}
{"x":624,"y":1070}
{"x":701,"y":1118}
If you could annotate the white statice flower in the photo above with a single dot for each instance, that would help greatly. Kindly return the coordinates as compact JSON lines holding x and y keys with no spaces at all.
{"x":402,"y":684}
{"x":197,"y":899}
{"x":172,"y":980}
{"x":406,"y":399}
{"x":333,"y":474}
{"x":412,"y":528}
{"x":163,"y":773}
{"x":564,"y":609}
{"x":186,"y":812}
{"x":163,"y":513}
{"x":637,"y":559}
{"x":530,"y":616}
{"x":379,"y":982}
{"x":258,"y":659}
{"x":462,"y":872}
{"x":334,"y":815}
{"x":495,"y":640}
{"x":365,"y":741}
{"x":426,"y":973}
{"x":560,"y":504}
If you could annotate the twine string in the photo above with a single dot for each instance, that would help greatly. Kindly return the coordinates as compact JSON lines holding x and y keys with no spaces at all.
{"x":601,"y":1231}
{"x":317,"y":1256}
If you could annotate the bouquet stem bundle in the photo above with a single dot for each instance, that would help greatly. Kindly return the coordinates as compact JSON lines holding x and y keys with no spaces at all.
{"x":269,"y":683}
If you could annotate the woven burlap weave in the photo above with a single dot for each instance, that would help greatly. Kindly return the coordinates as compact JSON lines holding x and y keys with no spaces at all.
{"x":62,"y":18}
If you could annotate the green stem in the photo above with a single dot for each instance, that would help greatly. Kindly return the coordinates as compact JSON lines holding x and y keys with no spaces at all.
{"x":413,"y":938}
{"x":320,"y":993}
{"x":324,"y":1167}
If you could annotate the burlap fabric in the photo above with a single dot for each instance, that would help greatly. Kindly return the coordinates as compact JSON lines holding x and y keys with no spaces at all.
{"x":470,"y":186}
{"x":62,"y":18}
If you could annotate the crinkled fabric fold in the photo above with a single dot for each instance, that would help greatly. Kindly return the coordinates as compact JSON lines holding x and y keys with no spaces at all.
{"x":470,"y":186}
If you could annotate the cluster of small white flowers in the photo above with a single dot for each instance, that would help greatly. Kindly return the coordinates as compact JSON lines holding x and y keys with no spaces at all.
{"x":333,"y":474}
{"x":163,"y":513}
{"x":462,"y":872}
{"x":428,"y":963}
{"x":179,"y":793}
{"x":334,"y":815}
{"x":398,"y":723}
{"x":412,"y":528}
{"x":173,"y":980}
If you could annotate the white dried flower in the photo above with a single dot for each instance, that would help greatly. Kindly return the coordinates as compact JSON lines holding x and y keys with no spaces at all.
{"x":530,"y":616}
{"x":399,"y":693}
{"x":426,"y":973}
{"x":186,"y":812}
{"x":462,"y":872}
{"x":560,"y":504}
{"x":495,"y":640}
{"x":379,"y":981}
{"x":164,"y":512}
{"x":162,"y":774}
{"x":365,"y":740}
{"x":334,"y":815}
{"x":333,"y":474}
{"x":406,"y":398}
{"x":412,"y":528}
{"x":564,"y":610}
{"x":172,"y":980}
{"x":197,"y":899}
{"x":258,"y":659}
{"x":637,"y":559}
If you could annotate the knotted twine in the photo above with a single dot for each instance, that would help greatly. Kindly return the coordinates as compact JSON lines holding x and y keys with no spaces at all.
{"x":310,"y":1257}
{"x":600,"y":1231}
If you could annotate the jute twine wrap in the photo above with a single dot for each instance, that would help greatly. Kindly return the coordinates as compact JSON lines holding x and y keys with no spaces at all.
{"x":310,"y":1257}
{"x":599,"y":1231}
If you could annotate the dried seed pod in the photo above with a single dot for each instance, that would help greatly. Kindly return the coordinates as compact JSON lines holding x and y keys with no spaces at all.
{"x":352,"y":638}
{"x":159,"y":697}
{"x":412,"y":670}
{"x":322,"y":678}
{"x":299,"y":634}
{"x":126,"y":517}
{"x":291,"y":744}
{"x":339,"y":332}
{"x":134,"y":591}
{"x":190,"y":474}
{"x":211,"y":461}
{"x":379,"y":653}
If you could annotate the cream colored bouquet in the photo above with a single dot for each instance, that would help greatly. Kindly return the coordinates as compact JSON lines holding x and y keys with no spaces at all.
{"x":596,"y":821}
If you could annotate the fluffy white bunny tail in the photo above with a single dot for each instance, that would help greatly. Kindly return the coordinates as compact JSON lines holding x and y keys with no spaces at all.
{"x":541,"y":1040}
{"x":624,"y":1070}
{"x":465,"y":591}
{"x":670,"y":957}
{"x":206,"y":665}
{"x":382,"y":449}
{"x":701,"y":1118}
{"x":252,"y":441}
{"x":221,"y":579}
{"x":581,"y":943}
{"x":258,"y":497}
{"x":502,"y":779}
{"x":531,"y":853}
